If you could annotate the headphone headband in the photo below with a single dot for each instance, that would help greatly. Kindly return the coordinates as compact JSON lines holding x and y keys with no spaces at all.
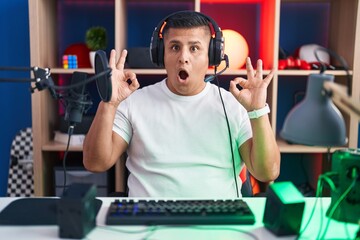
{"x":216,"y":46}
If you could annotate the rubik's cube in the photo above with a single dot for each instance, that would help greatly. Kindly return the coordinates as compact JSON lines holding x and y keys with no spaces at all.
{"x":70,"y":61}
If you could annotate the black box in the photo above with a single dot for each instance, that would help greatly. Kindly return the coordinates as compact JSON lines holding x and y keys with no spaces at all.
{"x":283,"y":209}
{"x":76,"y":211}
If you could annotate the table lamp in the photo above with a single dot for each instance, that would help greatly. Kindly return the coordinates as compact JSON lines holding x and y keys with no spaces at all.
{"x":316,"y":120}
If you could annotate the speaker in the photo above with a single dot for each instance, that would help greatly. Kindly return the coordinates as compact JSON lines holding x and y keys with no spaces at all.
{"x":283,"y":209}
{"x":346,"y":163}
{"x":216,"y":46}
{"x":76,"y":211}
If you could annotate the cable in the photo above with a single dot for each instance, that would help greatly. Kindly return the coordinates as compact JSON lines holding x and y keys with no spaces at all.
{"x":340,"y":59}
{"x":227,"y":229}
{"x":70,"y":132}
{"x":152,"y":229}
{"x":326,"y":177}
{"x":229,"y":133}
{"x":337,"y":204}
{"x":318,"y":193}
{"x":108,"y":228}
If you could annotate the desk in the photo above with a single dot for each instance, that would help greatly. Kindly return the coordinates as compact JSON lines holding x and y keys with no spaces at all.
{"x":336,"y":230}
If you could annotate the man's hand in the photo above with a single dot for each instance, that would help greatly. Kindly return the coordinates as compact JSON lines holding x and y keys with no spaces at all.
{"x":254,"y":90}
{"x":123,"y":82}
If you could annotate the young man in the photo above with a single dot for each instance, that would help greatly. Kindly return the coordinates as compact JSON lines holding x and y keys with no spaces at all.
{"x":175,"y":132}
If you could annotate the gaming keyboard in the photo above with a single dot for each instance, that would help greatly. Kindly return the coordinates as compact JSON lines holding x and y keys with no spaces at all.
{"x":179,"y":212}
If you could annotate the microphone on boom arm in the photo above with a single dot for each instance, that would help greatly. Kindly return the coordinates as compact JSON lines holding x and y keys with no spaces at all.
{"x":42,"y":79}
{"x":77,"y":100}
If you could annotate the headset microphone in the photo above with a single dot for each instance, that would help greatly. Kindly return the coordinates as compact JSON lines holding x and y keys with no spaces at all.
{"x":209,"y":78}
{"x":103,"y":83}
{"x":212,"y":77}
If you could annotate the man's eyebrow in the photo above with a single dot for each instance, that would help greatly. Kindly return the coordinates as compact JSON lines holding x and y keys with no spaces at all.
{"x":190,"y":42}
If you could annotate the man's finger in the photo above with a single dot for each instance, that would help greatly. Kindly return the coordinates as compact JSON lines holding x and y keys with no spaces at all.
{"x":269,"y":76}
{"x":121,"y":62}
{"x":112,"y":58}
{"x":249,"y":68}
{"x":259,"y":69}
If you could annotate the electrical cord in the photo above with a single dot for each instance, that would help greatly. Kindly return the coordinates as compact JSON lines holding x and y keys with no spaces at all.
{"x":70,"y":132}
{"x":337,"y":204}
{"x":318,"y":195}
{"x":229,"y":134}
{"x":152,"y":229}
{"x":338,"y":58}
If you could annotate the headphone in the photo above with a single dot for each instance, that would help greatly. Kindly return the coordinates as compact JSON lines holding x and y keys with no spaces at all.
{"x":216,"y":46}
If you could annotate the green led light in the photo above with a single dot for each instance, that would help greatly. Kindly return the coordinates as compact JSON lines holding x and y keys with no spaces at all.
{"x":287,"y":192}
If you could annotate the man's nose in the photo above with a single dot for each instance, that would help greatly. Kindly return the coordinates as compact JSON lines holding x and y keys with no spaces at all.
{"x":184,"y":56}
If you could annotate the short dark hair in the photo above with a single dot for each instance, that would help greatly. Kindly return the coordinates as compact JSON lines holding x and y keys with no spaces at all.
{"x":186,"y":19}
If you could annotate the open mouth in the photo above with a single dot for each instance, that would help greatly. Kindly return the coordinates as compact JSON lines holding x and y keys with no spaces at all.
{"x":183,"y":75}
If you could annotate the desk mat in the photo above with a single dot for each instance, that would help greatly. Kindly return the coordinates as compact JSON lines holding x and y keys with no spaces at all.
{"x":34,"y":211}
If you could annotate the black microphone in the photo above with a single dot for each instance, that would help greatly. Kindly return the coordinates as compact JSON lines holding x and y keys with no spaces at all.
{"x":78,"y":99}
{"x":212,"y":77}
{"x":103,"y":83}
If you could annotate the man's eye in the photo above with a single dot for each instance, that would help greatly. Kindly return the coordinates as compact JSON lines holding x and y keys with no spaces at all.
{"x":194,"y":48}
{"x":175,"y":47}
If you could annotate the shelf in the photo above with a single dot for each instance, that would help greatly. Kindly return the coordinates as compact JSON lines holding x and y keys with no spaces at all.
{"x":308,"y":72}
{"x":296,"y":148}
{"x":146,"y":71}
{"x":53,"y":146}
{"x":283,"y":145}
{"x":290,"y":72}
{"x":70,"y":71}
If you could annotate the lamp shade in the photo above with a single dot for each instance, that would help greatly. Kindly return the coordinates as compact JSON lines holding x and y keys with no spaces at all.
{"x":315,"y":121}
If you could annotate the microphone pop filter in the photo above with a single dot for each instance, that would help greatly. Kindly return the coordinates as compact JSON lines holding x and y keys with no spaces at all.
{"x":103,"y":83}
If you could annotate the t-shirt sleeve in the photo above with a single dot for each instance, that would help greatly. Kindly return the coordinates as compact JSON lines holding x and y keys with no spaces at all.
{"x":122,"y":125}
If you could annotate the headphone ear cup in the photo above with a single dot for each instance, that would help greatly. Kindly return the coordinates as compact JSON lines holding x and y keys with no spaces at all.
{"x":216,"y":47}
{"x":211,"y":53}
{"x":154,"y":48}
{"x":161,"y":53}
{"x":157,"y":49}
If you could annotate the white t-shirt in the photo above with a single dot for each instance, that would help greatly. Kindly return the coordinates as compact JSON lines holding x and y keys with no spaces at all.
{"x":179,"y":145}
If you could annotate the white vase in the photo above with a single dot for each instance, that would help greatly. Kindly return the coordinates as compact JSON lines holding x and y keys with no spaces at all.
{"x":92,"y":58}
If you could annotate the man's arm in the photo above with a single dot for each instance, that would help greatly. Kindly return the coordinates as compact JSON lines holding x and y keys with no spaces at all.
{"x":102,"y":147}
{"x":260,"y":153}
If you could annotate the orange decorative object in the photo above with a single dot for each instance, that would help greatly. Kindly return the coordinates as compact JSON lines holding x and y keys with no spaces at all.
{"x":236,"y":48}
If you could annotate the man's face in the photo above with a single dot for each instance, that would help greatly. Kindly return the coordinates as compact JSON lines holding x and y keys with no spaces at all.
{"x":186,"y":59}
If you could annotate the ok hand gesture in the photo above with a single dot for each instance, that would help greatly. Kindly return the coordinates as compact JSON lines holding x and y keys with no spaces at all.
{"x":123,"y":82}
{"x":254,"y":89}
